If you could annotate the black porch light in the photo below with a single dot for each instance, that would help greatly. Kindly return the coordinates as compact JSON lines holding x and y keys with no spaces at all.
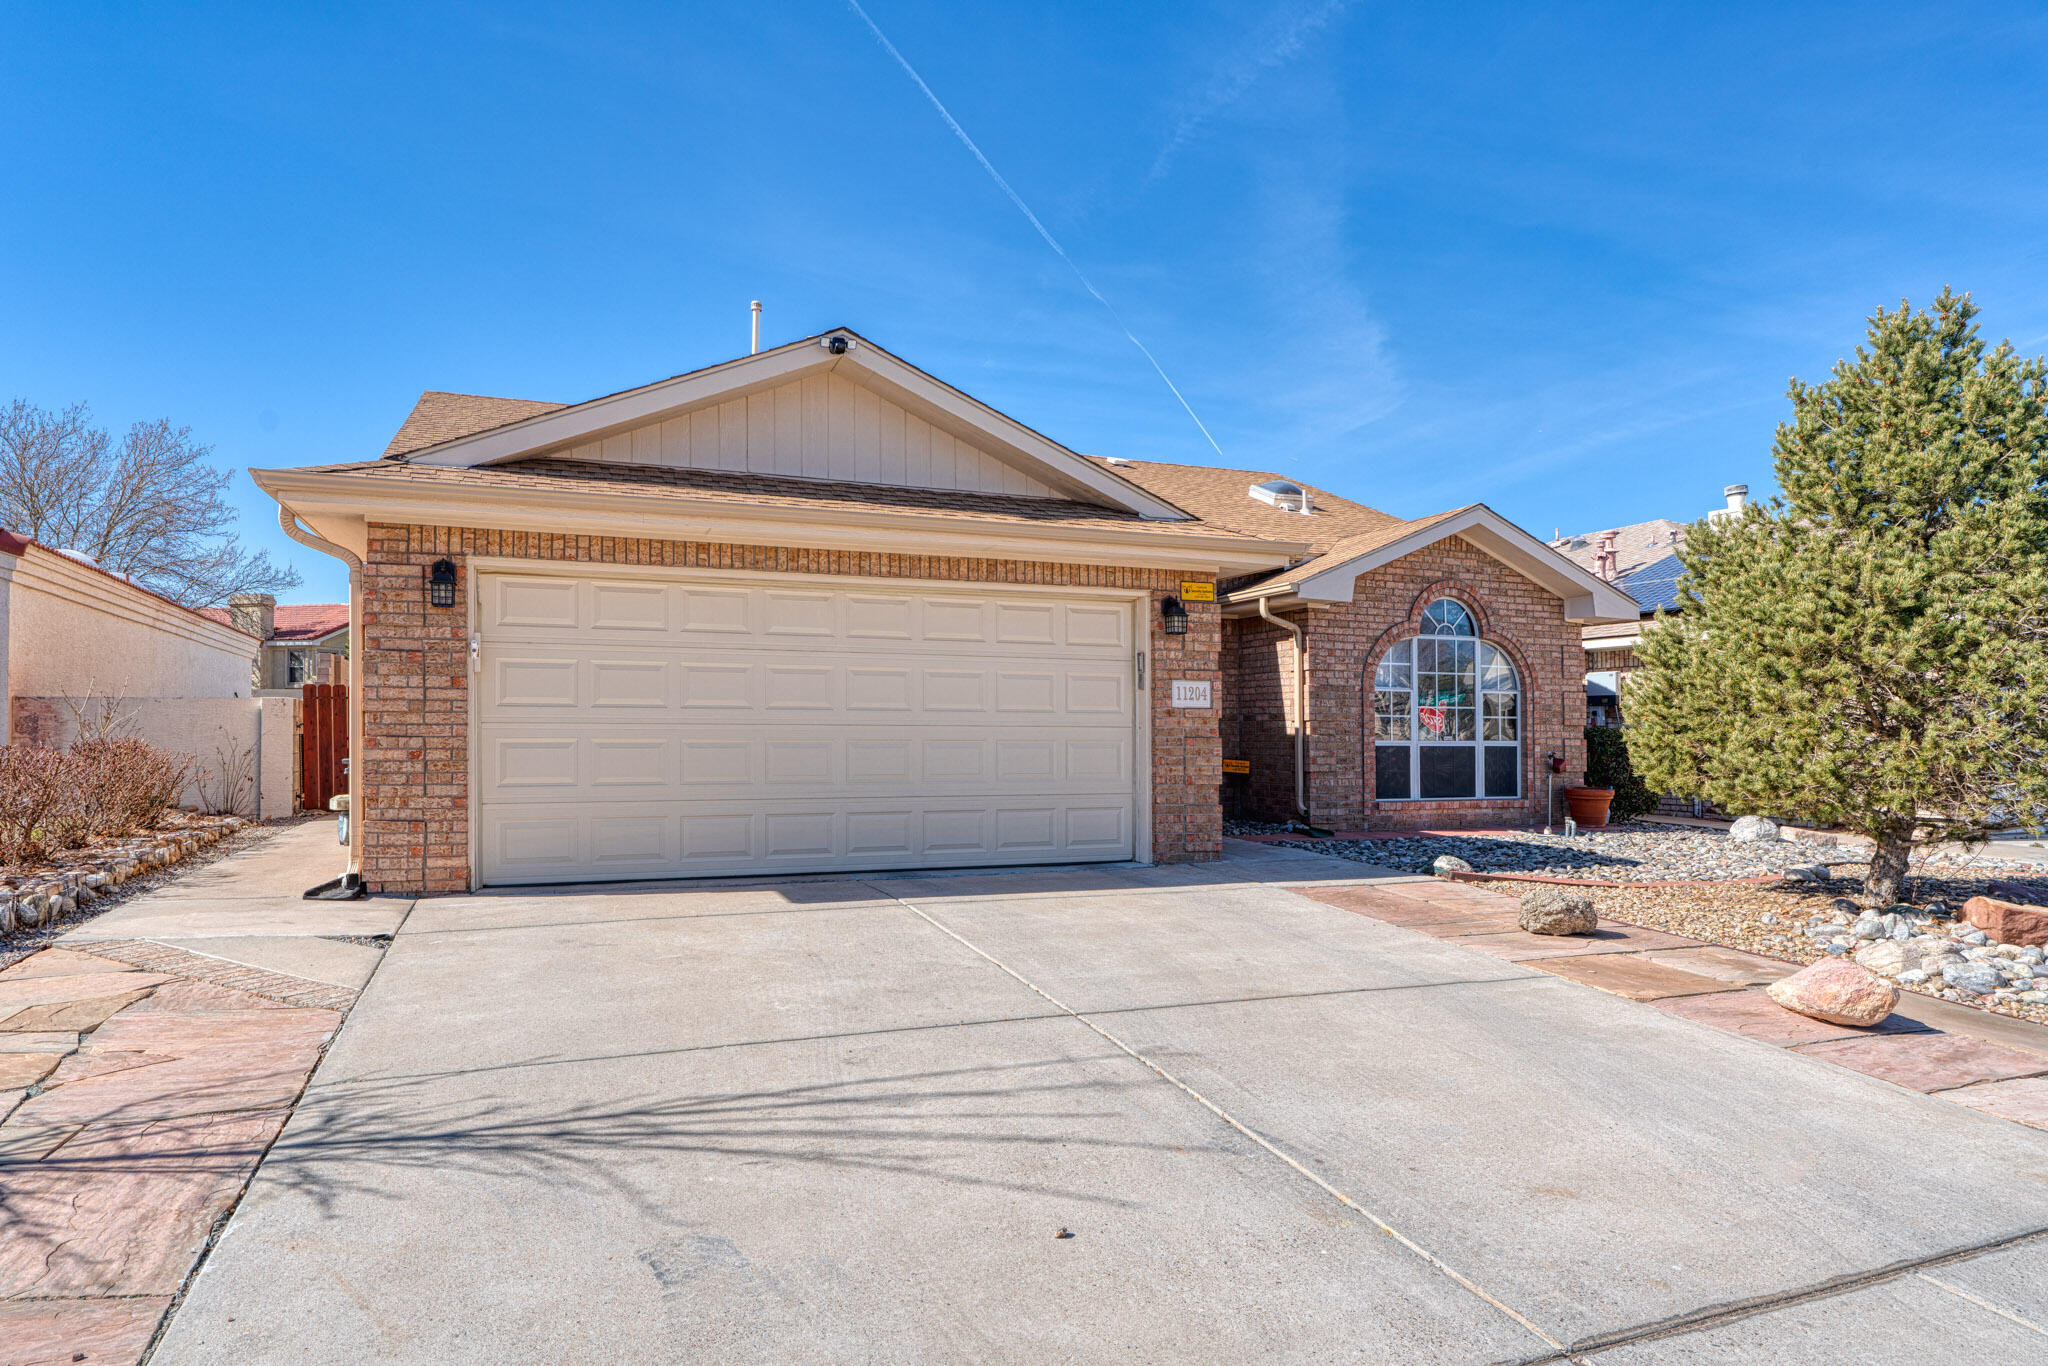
{"x":441,"y":584}
{"x":1173,"y":618}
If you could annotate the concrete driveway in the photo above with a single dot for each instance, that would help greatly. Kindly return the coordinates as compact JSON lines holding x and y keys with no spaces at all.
{"x":1167,"y":1115}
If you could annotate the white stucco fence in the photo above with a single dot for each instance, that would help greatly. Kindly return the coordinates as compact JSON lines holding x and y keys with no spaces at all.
{"x":68,"y":629}
{"x":254,"y":737}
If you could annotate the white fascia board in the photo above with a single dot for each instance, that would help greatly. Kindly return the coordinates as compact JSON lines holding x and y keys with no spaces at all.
{"x":896,"y":379}
{"x":1588,"y":599}
{"x":340,"y":500}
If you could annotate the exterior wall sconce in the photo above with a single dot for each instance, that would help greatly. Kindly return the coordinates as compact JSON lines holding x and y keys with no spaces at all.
{"x":1173,"y":618}
{"x":441,"y":584}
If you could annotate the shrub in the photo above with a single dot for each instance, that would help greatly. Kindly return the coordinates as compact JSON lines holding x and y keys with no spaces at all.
{"x":38,"y":802}
{"x":1607,"y":765}
{"x":126,"y":784}
{"x":99,"y":788}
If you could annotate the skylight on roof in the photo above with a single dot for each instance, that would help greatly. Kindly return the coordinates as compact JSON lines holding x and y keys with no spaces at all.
{"x":1286,"y":496}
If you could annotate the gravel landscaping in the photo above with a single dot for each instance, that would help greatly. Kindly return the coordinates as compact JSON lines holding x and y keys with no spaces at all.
{"x":1816,"y":909}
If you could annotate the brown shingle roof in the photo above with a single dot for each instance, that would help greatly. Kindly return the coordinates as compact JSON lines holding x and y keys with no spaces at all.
{"x":1222,"y":498}
{"x":725,"y":486}
{"x":1635,"y":546}
{"x":440,"y":416}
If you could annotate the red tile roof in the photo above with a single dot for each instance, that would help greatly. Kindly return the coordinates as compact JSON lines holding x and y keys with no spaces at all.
{"x":296,"y":622}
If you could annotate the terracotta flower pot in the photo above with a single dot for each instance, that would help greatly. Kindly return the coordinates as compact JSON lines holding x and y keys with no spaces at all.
{"x":1588,"y":805}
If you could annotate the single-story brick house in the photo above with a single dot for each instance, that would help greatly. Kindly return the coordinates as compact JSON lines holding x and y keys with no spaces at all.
{"x":814,"y":609}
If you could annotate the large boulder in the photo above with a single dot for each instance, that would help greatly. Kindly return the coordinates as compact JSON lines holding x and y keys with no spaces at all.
{"x":2006,"y":921}
{"x":1838,"y":991}
{"x":1446,"y":864}
{"x":1558,"y":910}
{"x":1753,"y":830}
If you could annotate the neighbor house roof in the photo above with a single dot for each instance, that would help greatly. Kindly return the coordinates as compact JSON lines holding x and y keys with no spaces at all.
{"x":1655,"y":585}
{"x":1636,"y":546}
{"x":440,"y":416}
{"x":296,"y":623}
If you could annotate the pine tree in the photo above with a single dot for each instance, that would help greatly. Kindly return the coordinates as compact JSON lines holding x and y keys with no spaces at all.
{"x":1870,"y":651}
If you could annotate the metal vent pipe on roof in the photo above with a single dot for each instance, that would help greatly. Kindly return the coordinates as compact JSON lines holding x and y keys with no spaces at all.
{"x":755,"y":309}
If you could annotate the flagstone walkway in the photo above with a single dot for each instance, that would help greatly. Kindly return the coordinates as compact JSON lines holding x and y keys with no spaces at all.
{"x":140,"y":1083}
{"x":1988,"y":1062}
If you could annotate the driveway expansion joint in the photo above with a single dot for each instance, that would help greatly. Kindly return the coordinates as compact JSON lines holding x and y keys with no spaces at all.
{"x":1716,"y":1316}
{"x":1435,"y":1262}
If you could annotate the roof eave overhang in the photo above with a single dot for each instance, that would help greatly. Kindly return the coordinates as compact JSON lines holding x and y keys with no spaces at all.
{"x":1588,"y":599}
{"x":901,"y":382}
{"x":342,"y":499}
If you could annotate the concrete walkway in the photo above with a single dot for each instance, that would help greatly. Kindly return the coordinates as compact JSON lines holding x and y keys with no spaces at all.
{"x":1110,"y":1115}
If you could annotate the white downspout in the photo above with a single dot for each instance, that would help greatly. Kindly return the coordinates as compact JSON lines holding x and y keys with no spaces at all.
{"x":1300,"y":708}
{"x":312,"y":540}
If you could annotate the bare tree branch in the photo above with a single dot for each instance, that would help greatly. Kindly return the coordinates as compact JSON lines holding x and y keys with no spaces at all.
{"x":154,"y":509}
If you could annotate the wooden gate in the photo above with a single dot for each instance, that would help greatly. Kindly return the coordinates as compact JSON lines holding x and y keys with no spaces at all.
{"x":323,"y":743}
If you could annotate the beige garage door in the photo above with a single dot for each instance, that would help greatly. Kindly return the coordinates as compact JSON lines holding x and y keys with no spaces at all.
{"x":696,"y":726}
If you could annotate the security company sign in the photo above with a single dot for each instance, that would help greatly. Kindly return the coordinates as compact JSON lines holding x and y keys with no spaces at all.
{"x":1188,"y":692}
{"x":1191,"y":591}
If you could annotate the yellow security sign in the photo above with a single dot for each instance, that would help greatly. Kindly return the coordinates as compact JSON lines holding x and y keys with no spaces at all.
{"x":1237,"y":765}
{"x":1197,"y":592}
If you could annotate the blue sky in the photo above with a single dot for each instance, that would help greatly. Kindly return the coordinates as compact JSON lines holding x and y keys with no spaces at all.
{"x":1560,"y":259}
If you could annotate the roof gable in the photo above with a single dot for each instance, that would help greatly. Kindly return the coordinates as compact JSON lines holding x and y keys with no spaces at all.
{"x":822,"y":426}
{"x":1333,"y":575}
{"x":780,"y":413}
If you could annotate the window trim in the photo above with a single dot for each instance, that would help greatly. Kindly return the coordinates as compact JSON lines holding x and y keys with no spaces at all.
{"x":1445,"y":628}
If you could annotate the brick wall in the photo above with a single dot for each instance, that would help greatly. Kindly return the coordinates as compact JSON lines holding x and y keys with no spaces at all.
{"x":1345,"y":642}
{"x":1259,"y":714}
{"x":415,"y":761}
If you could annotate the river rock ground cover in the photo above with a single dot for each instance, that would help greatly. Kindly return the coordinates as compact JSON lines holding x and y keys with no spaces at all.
{"x":1810,"y":911}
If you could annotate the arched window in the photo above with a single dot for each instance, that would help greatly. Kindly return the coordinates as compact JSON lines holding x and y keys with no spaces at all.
{"x":1446,"y":714}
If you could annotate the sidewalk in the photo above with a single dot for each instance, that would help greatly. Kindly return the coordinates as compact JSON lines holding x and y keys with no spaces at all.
{"x":1990,"y":1063}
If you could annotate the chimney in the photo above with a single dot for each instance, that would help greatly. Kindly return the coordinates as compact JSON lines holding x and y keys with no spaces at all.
{"x":1738,"y":498}
{"x":1608,"y":556}
{"x":254,"y":614}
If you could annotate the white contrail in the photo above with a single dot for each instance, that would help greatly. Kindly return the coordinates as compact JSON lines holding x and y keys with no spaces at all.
{"x":1032,"y":218}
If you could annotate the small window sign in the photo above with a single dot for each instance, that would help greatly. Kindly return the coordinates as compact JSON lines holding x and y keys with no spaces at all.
{"x":1191,"y":591}
{"x":1189,"y":692}
{"x":1237,"y":766}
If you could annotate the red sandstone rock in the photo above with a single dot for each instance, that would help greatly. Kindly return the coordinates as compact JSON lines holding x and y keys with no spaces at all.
{"x":2006,"y":921}
{"x":1838,"y":991}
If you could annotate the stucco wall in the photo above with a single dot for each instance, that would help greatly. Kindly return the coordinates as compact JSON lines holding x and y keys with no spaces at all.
{"x":212,"y":731}
{"x":72,"y":630}
{"x":1345,"y":642}
{"x":413,"y":822}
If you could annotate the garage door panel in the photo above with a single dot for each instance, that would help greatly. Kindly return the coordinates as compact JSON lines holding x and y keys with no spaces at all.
{"x":651,"y":728}
{"x":532,"y":762}
{"x":601,"y":840}
{"x":561,"y":676}
{"x":540,"y":608}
